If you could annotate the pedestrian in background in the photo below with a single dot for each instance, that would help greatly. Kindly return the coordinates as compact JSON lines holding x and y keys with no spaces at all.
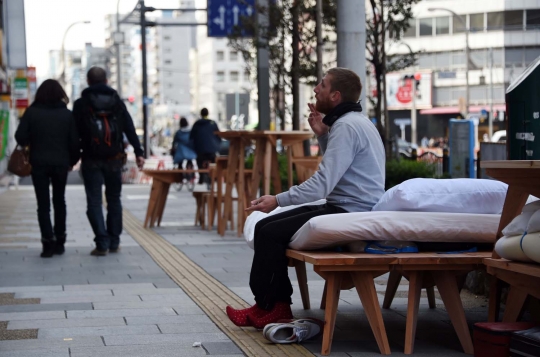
{"x":102,"y":119}
{"x":182,"y":149}
{"x":47,"y":126}
{"x":205,"y":142}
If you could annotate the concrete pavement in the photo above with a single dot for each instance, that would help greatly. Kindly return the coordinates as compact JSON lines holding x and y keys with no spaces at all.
{"x":125,"y":304}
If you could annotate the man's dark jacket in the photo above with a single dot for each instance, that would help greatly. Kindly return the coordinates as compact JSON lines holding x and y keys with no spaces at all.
{"x":51,"y":133}
{"x":109,"y":98}
{"x":205,"y":141}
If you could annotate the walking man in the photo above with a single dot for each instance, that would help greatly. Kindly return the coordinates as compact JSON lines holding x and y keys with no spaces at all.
{"x":350,"y":177}
{"x":102,"y":119}
{"x":205,"y":142}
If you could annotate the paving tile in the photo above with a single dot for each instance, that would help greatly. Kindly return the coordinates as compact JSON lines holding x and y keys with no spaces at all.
{"x":38,"y":315}
{"x":161,"y":320}
{"x":74,"y":299}
{"x":97,"y":331}
{"x":94,"y":341}
{"x":175,"y":298}
{"x":164,"y":311}
{"x":46,"y":352}
{"x":46,"y":307}
{"x":165,"y":350}
{"x":64,"y":323}
{"x":131,"y":340}
{"x":54,"y":294}
{"x":188,"y":328}
{"x":142,"y":304}
{"x":94,"y":287}
{"x":21,"y":289}
{"x":221,"y":348}
{"x":149,"y":291}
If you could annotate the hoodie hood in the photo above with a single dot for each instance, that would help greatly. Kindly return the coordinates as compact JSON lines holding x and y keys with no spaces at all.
{"x":101,"y":96}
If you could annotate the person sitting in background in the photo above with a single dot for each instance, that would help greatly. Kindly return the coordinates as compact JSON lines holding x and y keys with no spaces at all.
{"x":48,"y":127}
{"x":182,"y":149}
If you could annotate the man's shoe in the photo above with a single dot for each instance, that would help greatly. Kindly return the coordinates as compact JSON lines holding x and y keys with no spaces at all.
{"x":48,"y":249}
{"x":114,"y":250}
{"x":98,"y":253}
{"x":281,"y":311}
{"x":293,"y":331}
{"x":59,"y":247}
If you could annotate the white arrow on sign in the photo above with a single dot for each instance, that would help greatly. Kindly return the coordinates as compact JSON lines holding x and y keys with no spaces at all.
{"x":221,"y":19}
{"x":235,"y":11}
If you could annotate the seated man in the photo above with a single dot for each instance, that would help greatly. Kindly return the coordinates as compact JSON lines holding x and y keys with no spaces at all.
{"x":350,"y":177}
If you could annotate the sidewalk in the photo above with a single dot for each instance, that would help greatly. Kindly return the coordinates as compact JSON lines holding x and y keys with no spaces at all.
{"x":125,"y":304}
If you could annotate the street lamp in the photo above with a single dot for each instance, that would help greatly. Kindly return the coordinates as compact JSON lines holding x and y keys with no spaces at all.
{"x":62,"y":78}
{"x":467,"y":51}
{"x":118,"y":38}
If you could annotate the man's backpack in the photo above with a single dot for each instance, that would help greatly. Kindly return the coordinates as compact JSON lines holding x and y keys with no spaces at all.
{"x":105,"y":126}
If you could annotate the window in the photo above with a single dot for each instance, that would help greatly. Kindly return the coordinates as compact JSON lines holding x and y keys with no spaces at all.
{"x":234,"y":76}
{"x":442,"y":25}
{"x":513,"y":20}
{"x":443,"y":95}
{"x":220,"y":77}
{"x":458,"y":23}
{"x":513,"y":57}
{"x":246,"y":75}
{"x":426,"y":27}
{"x":234,"y":56}
{"x":495,"y":20}
{"x":478,"y":93}
{"x":533,"y":19}
{"x":479,"y":57}
{"x":426,"y":61}
{"x":167,"y":38}
{"x":411,"y":30}
{"x":167,"y":61}
{"x":458,"y":59}
{"x":476,"y":22}
{"x":442,"y":60}
{"x":531,"y":54}
{"x":220,"y":56}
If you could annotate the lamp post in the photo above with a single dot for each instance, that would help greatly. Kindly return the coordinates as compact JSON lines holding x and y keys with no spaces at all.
{"x":118,"y":38}
{"x":62,"y":78}
{"x":467,"y":52}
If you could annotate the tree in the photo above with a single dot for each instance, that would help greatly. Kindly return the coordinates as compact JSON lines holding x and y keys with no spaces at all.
{"x":386,"y":17}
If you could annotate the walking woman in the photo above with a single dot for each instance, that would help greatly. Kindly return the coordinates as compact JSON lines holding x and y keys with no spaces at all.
{"x":182,"y":149}
{"x":47,"y":126}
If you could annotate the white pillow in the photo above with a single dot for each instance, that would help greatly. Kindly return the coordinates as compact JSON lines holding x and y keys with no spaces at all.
{"x":445,"y":195}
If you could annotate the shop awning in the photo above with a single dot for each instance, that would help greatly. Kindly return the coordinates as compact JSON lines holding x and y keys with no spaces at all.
{"x":455,"y":110}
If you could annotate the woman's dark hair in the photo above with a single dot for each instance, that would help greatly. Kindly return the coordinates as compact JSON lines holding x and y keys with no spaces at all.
{"x":50,"y":92}
{"x":183,"y":122}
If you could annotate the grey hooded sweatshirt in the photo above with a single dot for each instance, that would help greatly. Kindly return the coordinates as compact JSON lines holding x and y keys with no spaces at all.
{"x":352,"y":172}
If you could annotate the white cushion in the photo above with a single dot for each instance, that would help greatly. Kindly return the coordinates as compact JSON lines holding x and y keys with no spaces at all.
{"x":445,"y":195}
{"x":337,"y":229}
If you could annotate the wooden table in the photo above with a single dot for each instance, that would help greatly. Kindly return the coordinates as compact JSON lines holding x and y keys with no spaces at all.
{"x":161,"y":182}
{"x":523,"y":179}
{"x":265,"y":166}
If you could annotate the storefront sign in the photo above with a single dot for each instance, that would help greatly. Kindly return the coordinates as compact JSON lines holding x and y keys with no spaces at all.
{"x":399,"y":91}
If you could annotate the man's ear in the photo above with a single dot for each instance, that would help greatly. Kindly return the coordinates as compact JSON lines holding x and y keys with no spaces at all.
{"x":336,"y":96}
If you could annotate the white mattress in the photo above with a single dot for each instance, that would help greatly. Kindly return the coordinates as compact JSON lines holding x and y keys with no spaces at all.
{"x":338,"y":229}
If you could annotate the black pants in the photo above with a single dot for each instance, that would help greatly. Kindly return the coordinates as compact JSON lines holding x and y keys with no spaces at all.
{"x":42,"y":176}
{"x":269,"y":278}
{"x":203,"y":160}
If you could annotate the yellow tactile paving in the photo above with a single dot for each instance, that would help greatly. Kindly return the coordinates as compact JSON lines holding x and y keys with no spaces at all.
{"x":211,"y":296}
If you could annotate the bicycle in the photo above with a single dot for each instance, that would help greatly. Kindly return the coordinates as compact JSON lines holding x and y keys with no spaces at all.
{"x":188,"y":179}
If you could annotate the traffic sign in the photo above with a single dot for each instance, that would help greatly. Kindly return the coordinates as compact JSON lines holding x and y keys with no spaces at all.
{"x":402,"y":121}
{"x":148,"y":100}
{"x":225,"y":15}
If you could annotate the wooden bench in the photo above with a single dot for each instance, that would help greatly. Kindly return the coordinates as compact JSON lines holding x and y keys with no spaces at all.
{"x":424,"y":270}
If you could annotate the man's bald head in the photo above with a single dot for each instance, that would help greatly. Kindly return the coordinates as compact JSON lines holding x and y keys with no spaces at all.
{"x":96,"y":75}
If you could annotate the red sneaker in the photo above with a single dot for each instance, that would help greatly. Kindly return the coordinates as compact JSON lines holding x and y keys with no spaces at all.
{"x":239,"y":317}
{"x":281,"y":311}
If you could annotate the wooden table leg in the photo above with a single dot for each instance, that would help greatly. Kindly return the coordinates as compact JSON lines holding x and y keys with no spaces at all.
{"x":289,"y":166}
{"x":258,"y":167}
{"x":447,"y":286}
{"x":158,"y":185}
{"x":240,"y":188}
{"x":154,"y":195}
{"x":333,"y":289}
{"x":495,"y":291}
{"x":365,"y":287}
{"x":232,"y":164}
{"x":415,"y":289}
{"x":267,"y":166}
{"x":276,"y":178}
{"x":391,"y":287}
{"x":162,"y":201}
{"x":431,"y":297}
{"x":515,"y":302}
{"x":301,"y":275}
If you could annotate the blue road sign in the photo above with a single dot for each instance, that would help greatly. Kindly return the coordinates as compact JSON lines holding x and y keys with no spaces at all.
{"x":224,"y":15}
{"x":148,"y":100}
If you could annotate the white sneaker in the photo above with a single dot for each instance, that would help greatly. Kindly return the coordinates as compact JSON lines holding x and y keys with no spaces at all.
{"x":293,"y":331}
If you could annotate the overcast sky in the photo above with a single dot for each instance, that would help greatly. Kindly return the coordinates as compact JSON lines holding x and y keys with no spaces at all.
{"x":47,"y":21}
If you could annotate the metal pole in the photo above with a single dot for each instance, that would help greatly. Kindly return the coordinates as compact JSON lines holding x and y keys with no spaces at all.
{"x":146,"y":143}
{"x":490,"y":121}
{"x":351,"y":39}
{"x":318,"y":32}
{"x":468,"y":60}
{"x":118,"y":65}
{"x":413,"y":114}
{"x":263,"y":71}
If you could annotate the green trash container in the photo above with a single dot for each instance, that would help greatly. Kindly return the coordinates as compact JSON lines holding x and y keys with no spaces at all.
{"x":523,"y":113}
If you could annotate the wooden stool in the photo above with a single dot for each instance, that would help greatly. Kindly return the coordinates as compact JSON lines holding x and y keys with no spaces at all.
{"x":201,"y":200}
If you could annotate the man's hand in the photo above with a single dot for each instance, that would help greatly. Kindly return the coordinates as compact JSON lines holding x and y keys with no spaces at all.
{"x":315,"y":121}
{"x":140,"y":162}
{"x":264,"y":204}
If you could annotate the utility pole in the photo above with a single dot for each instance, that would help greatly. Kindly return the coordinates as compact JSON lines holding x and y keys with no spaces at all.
{"x":490,"y":120}
{"x":118,"y":57}
{"x":351,"y":39}
{"x":146,"y":138}
{"x":263,"y":71}
{"x":295,"y":65}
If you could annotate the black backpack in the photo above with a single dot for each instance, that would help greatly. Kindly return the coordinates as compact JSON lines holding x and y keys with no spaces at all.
{"x":104,"y":122}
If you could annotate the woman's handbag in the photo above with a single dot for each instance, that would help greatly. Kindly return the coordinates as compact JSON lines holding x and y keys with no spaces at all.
{"x":19,"y":162}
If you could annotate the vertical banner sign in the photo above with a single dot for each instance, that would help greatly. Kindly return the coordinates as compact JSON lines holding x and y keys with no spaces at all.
{"x":4,"y":132}
{"x":20,"y":92}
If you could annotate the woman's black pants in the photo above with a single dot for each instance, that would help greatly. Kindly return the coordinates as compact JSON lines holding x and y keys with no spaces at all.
{"x":269,"y":279}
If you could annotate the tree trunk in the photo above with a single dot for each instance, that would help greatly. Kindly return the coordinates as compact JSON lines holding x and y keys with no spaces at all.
{"x":295,"y":67}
